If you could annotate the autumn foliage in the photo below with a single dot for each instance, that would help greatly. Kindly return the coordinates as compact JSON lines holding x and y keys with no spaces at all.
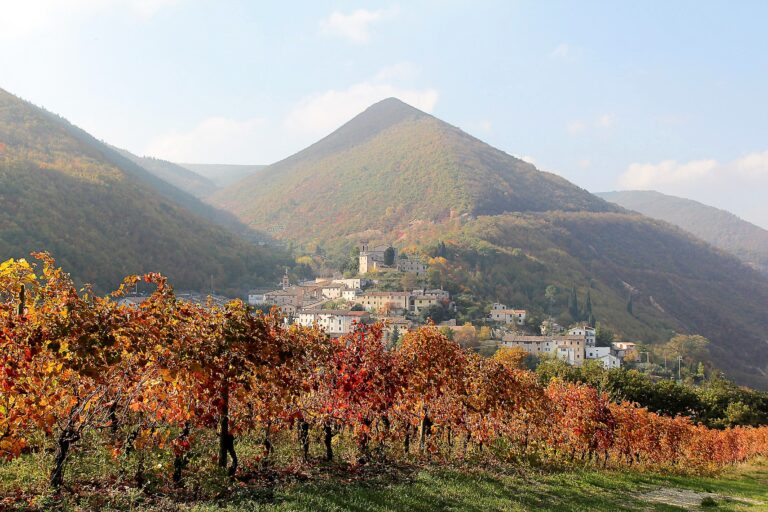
{"x":167,"y":374}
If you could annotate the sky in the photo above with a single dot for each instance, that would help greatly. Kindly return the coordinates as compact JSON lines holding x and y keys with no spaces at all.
{"x":669,"y":96}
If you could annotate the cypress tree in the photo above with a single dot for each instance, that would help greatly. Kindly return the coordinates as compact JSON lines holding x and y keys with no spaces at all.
{"x":629,"y":304}
{"x":573,"y":304}
{"x":587,"y":314}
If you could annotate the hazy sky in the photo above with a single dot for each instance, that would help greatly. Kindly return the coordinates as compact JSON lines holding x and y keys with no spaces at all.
{"x":671,"y":96}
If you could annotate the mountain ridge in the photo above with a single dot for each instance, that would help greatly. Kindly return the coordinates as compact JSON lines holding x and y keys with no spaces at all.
{"x":103,"y":216}
{"x":719,"y":227}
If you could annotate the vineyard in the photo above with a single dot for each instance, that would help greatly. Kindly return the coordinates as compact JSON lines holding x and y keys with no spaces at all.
{"x":170,"y":389}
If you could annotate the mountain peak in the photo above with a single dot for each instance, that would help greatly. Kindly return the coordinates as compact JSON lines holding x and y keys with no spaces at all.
{"x":382,"y":115}
{"x":393,"y":105}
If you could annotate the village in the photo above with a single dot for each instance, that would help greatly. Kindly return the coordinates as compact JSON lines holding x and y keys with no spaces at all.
{"x":338,"y":304}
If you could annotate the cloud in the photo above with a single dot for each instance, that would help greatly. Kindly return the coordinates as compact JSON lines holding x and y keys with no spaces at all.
{"x":29,"y":18}
{"x":575,"y":127}
{"x":397,"y":72}
{"x":323,"y":112}
{"x":215,"y":139}
{"x":566,"y":52}
{"x":644,"y":176}
{"x":754,"y":165}
{"x":736,"y":186}
{"x":601,"y":122}
{"x":562,"y":51}
{"x":605,"y":121}
{"x":261,"y":140}
{"x":356,"y":26}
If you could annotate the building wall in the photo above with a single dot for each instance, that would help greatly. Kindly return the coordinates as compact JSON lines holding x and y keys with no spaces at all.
{"x":333,"y":324}
{"x":377,"y":302}
{"x":422,"y":302}
{"x":350,"y":295}
{"x":256,"y":298}
{"x":332,"y":292}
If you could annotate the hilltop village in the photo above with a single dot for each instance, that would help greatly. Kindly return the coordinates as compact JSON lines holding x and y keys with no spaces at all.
{"x":336,"y":304}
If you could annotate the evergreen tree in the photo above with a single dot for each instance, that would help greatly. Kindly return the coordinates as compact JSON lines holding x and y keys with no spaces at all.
{"x":389,"y":256}
{"x":394,"y":337}
{"x":587,"y":313}
{"x":629,"y":304}
{"x":440,"y":250}
{"x":573,"y":304}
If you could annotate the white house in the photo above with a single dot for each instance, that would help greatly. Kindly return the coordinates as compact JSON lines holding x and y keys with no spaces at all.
{"x":350,"y":294}
{"x":332,"y":291}
{"x":567,"y":348}
{"x":334,"y":322}
{"x":607,"y":357}
{"x":352,"y":283}
{"x":500,"y":313}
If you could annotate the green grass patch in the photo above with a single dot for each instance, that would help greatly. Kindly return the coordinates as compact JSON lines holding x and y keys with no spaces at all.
{"x":420,"y":488}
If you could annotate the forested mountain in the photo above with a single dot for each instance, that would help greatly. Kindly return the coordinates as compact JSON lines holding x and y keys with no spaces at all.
{"x":178,"y":176}
{"x":223,"y":175}
{"x":497,"y":229}
{"x":103,"y":217}
{"x":720,"y":228}
{"x":388,"y":167}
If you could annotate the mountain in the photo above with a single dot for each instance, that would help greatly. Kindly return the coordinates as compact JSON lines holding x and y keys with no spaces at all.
{"x":720,"y":228}
{"x":223,"y":175}
{"x":178,"y":176}
{"x":152,"y":172}
{"x":494,"y":228}
{"x":104,"y":217}
{"x":388,"y":167}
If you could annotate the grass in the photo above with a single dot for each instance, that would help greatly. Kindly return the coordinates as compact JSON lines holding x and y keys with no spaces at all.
{"x":483,"y":490}
{"x":456,"y":488}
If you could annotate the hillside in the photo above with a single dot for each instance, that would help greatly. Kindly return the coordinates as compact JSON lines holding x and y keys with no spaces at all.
{"x":102,"y":216}
{"x":223,"y":175}
{"x":677,"y":282}
{"x":720,"y":228}
{"x":390,"y":166}
{"x":396,"y":174}
{"x":178,"y":176}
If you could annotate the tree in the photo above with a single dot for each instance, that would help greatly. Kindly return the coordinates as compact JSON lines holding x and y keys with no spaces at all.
{"x":692,"y":348}
{"x":514,"y":358}
{"x":603,"y":335}
{"x":466,"y":335}
{"x":394,"y":336}
{"x":550,"y":294}
{"x":389,"y":256}
{"x":436,"y":313}
{"x":587,"y":313}
{"x":573,"y":305}
{"x":409,"y":281}
{"x":629,"y":304}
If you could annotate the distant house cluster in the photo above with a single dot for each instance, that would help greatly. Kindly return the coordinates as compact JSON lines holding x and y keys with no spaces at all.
{"x":575,"y":347}
{"x":304,"y":304}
